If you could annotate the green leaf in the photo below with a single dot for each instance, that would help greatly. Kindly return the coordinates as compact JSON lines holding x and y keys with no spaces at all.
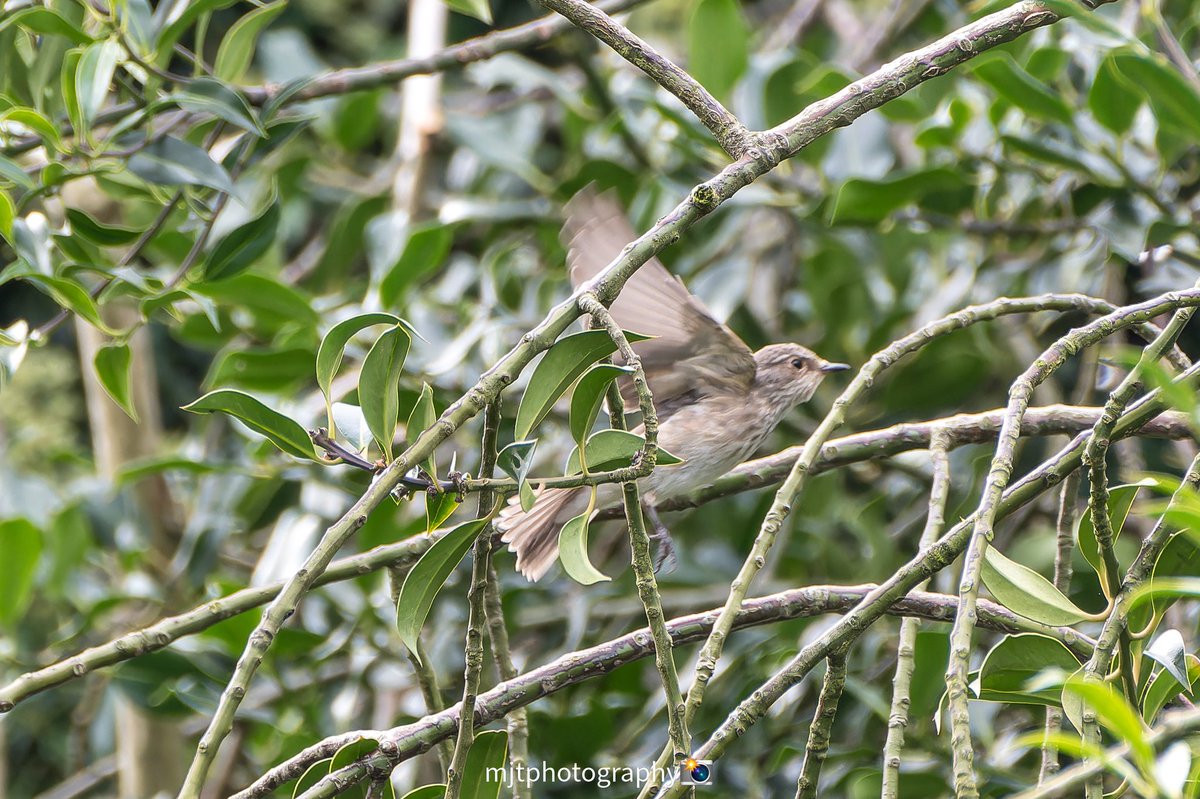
{"x":718,"y":51}
{"x":173,"y":162}
{"x":427,"y":792}
{"x":113,"y":364}
{"x":1013,"y":663}
{"x":1165,"y":687}
{"x":71,"y":296}
{"x":1027,"y":593}
{"x":208,"y":96}
{"x":237,"y":48}
{"x":12,"y":172}
{"x":1115,"y":714}
{"x":527,"y":495}
{"x":93,"y":78}
{"x":1120,"y":500}
{"x":243,"y":246}
{"x":869,"y":201}
{"x":1175,"y":101}
{"x":333,"y":346}
{"x":1023,"y":90}
{"x":172,"y":19}
{"x":47,"y":21}
{"x":283,"y":432}
{"x":421,"y":419}
{"x":479,"y":9}
{"x":38,"y":123}
{"x":21,"y":543}
{"x":1169,"y":650}
{"x":425,"y":251}
{"x":311,"y":776}
{"x":379,"y":385}
{"x":589,"y":394}
{"x":1111,"y":100}
{"x":273,"y":370}
{"x":486,"y":754}
{"x":98,"y":233}
{"x":516,"y":458}
{"x":8,"y":214}
{"x":614,"y":449}
{"x":572,"y":551}
{"x":562,"y":365}
{"x":439,"y":508}
{"x":427,"y":576}
{"x":348,"y":754}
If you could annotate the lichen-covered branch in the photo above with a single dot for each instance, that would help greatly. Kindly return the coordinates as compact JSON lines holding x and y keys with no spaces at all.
{"x":817,"y":747}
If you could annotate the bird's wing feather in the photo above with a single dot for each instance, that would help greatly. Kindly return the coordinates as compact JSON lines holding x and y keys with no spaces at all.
{"x":692,"y":352}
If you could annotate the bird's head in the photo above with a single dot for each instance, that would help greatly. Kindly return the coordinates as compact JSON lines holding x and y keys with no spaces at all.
{"x":788,"y":374}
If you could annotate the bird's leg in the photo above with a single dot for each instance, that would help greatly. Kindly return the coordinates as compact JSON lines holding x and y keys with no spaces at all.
{"x":664,"y":555}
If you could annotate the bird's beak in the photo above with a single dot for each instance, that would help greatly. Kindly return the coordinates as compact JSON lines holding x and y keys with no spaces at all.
{"x":835,"y":367}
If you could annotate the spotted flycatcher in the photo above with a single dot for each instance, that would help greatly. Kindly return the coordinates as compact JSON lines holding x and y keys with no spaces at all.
{"x":716,"y":400}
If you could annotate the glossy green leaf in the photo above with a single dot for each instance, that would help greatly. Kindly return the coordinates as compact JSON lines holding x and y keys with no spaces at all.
{"x":208,"y":96}
{"x":1165,"y":686}
{"x":439,"y":508}
{"x":868,"y":201}
{"x":1013,"y":663}
{"x":311,"y":776}
{"x":173,"y":162}
{"x":13,"y":173}
{"x":425,"y":251}
{"x":283,"y":432}
{"x":333,"y":346}
{"x":379,"y":385}
{"x":562,"y":365}
{"x":479,"y":9}
{"x":37,"y":123}
{"x":1027,"y":593}
{"x":93,"y":77}
{"x":113,"y":366}
{"x":1114,"y":714}
{"x":718,"y":46}
{"x":21,"y":543}
{"x":43,"y":20}
{"x":1175,"y":101}
{"x":1023,"y":90}
{"x":427,"y":792}
{"x":486,"y":754}
{"x":421,"y":419}
{"x":516,"y":458}
{"x":173,"y":19}
{"x":1120,"y":500}
{"x":237,"y":48}
{"x":614,"y":449}
{"x":527,"y":496}
{"x":427,"y":576}
{"x":243,"y":246}
{"x":8,"y":213}
{"x":1169,"y":650}
{"x":348,"y":754}
{"x":572,"y":551}
{"x":1111,"y":100}
{"x":99,"y":233}
{"x":274,"y":370}
{"x":589,"y":395}
{"x":72,"y":296}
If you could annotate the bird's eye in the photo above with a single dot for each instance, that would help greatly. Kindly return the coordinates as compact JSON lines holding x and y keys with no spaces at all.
{"x":798,"y":363}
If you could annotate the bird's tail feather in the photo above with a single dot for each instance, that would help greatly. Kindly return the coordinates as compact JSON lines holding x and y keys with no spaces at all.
{"x":533,"y":535}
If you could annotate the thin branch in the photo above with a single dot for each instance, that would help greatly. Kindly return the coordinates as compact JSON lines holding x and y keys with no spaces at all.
{"x":1065,"y":546}
{"x":401,"y":743}
{"x":731,"y":134}
{"x":817,"y":747}
{"x":639,"y":541}
{"x":935,"y":519}
{"x":427,"y":678}
{"x":481,"y":567}
{"x":518,"y":719}
{"x":985,"y":515}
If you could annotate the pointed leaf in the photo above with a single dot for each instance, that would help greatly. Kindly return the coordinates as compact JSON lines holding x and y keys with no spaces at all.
{"x":1013,"y":663}
{"x":379,"y":386}
{"x":589,"y":394}
{"x":208,"y":96}
{"x":572,"y":551}
{"x":718,"y":52}
{"x":1115,"y":714}
{"x":421,"y":419}
{"x":1027,"y":593}
{"x":1120,"y":500}
{"x":1164,"y":687}
{"x":21,"y":543}
{"x":93,"y":77}
{"x":285,"y":433}
{"x":333,"y":346}
{"x":515,"y":459}
{"x":244,"y":245}
{"x":425,"y":251}
{"x":98,"y":233}
{"x":562,"y":365}
{"x":479,"y":9}
{"x":614,"y":449}
{"x":427,"y":792}
{"x":439,"y":508}
{"x":173,"y":162}
{"x":1169,"y":650}
{"x":486,"y":754}
{"x":71,"y":296}
{"x":8,"y":213}
{"x":426,"y":578}
{"x":237,"y":48}
{"x":113,"y":364}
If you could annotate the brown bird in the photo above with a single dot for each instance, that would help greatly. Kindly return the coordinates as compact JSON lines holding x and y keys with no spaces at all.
{"x":716,"y":400}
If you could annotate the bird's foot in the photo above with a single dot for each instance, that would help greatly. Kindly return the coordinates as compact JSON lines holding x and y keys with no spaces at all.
{"x":665,"y":560}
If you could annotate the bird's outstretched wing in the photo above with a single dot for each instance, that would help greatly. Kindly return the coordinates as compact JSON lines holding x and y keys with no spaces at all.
{"x":692,"y":353}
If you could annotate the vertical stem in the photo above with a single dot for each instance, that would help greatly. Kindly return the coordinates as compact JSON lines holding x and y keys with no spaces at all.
{"x":518,"y":720}
{"x":481,"y":562}
{"x":1065,"y":545}
{"x":817,"y":747}
{"x":427,"y":679}
{"x":939,"y":492}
